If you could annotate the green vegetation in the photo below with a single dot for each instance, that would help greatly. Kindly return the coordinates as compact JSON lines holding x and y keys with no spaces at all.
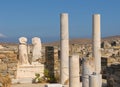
{"x":47,"y":78}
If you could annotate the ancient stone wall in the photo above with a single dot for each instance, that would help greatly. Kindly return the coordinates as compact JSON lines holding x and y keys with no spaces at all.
{"x":52,"y":63}
{"x":113,"y":75}
{"x":8,"y":62}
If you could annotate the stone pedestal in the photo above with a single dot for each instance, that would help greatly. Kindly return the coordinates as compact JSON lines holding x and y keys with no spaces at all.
{"x":26,"y":73}
{"x":53,"y":85}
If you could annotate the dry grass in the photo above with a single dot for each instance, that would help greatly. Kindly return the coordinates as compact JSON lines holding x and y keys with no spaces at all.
{"x":5,"y":81}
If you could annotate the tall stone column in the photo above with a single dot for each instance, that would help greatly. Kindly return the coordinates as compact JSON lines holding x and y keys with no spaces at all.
{"x":64,"y":47}
{"x":97,"y":43}
{"x":97,"y":46}
{"x":74,"y":75}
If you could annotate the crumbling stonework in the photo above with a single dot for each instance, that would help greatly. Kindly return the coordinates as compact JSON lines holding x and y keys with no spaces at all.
{"x":8,"y":62}
{"x":113,"y":75}
{"x":110,"y":50}
{"x":52,"y":62}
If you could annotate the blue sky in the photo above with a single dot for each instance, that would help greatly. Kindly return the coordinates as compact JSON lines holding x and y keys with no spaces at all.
{"x":41,"y":18}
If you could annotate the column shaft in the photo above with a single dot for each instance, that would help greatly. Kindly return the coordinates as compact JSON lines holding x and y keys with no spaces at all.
{"x":74,"y":71}
{"x":64,"y":47}
{"x":97,"y":42}
{"x":94,"y":80}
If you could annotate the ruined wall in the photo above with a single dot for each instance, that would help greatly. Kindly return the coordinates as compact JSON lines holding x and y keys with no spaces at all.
{"x":52,"y":62}
{"x":8,"y":61}
{"x":113,"y":78}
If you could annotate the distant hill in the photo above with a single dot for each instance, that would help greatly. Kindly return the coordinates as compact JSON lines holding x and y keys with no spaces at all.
{"x":83,"y":40}
{"x":111,"y":37}
{"x":72,"y":41}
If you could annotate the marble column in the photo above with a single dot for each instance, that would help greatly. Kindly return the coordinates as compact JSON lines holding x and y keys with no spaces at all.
{"x":86,"y":71}
{"x":74,"y":75}
{"x":97,"y":43}
{"x":97,"y":46}
{"x":94,"y":80}
{"x":64,"y":48}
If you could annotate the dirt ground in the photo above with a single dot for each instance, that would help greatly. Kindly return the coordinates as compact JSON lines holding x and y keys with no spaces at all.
{"x":29,"y":85}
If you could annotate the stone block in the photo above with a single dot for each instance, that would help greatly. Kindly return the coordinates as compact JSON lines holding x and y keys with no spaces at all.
{"x":23,"y":80}
{"x":3,"y":67}
{"x":6,"y":51}
{"x":53,"y":85}
{"x":29,"y":71}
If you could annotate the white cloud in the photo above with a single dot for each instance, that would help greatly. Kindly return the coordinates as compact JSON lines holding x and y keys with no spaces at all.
{"x":2,"y":35}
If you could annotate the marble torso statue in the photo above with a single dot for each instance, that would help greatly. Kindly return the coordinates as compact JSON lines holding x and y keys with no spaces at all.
{"x":23,"y":54}
{"x":36,"y":52}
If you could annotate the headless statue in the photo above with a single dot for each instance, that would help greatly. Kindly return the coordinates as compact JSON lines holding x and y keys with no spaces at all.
{"x":23,"y":54}
{"x":36,"y":52}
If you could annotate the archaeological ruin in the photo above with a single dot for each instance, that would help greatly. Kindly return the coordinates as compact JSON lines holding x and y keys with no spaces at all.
{"x":95,"y":63}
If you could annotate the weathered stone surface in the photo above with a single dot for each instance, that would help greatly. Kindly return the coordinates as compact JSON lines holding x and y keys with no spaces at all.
{"x":64,"y":48}
{"x":52,"y":63}
{"x":87,"y":69}
{"x":37,"y":49}
{"x":113,"y":77}
{"x":105,"y":44}
{"x":115,"y":43}
{"x":8,"y":62}
{"x":23,"y":51}
{"x":53,"y":85}
{"x":74,"y":66}
{"x":9,"y":55}
{"x":29,"y":71}
{"x":1,"y":47}
{"x":3,"y":67}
